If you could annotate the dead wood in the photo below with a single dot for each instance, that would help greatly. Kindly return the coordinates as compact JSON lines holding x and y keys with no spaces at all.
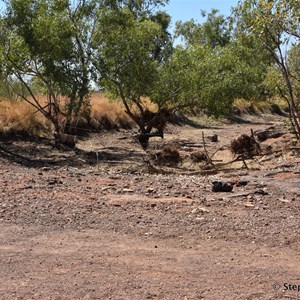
{"x":205,"y":150}
{"x":168,"y":156}
{"x":245,"y":145}
{"x":198,"y":156}
{"x":270,"y":133}
{"x":190,"y":144}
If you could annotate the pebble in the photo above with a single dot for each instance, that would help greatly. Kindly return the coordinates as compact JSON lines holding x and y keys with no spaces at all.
{"x":199,"y":210}
{"x":199,"y":220}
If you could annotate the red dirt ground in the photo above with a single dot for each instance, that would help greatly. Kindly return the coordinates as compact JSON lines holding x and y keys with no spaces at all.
{"x":88,"y":228}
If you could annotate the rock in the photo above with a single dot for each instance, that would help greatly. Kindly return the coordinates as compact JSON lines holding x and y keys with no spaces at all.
{"x":214,"y":138}
{"x":283,"y":200}
{"x":221,"y":186}
{"x":46,"y":169}
{"x":261,"y":192}
{"x":242,"y":183}
{"x":28,"y":186}
{"x":200,"y":210}
{"x":199,"y":219}
{"x":105,"y":188}
{"x":249,"y":205}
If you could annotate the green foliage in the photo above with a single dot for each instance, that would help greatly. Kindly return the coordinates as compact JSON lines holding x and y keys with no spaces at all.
{"x":140,"y":8}
{"x":130,"y":48}
{"x":58,"y":47}
{"x":220,"y":64}
{"x":214,"y":32}
{"x":294,"y":67}
{"x":48,"y":43}
{"x":126,"y":50}
{"x":276,"y":23}
{"x":274,"y":82}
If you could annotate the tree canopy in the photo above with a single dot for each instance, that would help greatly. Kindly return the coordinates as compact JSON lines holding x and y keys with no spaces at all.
{"x":276,"y":24}
{"x":125,"y":48}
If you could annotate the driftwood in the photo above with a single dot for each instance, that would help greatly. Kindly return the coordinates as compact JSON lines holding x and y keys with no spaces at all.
{"x":190,"y":144}
{"x":270,"y":133}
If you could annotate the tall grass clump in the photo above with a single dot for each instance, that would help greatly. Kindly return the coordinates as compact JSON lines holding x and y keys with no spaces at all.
{"x":108,"y":115}
{"x":18,"y":118}
{"x":275,"y":105}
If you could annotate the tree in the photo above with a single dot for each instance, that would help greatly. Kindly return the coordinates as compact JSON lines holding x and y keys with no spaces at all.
{"x":215,"y":31}
{"x":49,"y":42}
{"x":135,"y":60}
{"x":225,"y":64}
{"x":132,"y":43}
{"x":276,"y":23}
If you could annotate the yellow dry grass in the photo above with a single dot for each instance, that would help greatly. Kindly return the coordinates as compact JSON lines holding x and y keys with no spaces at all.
{"x":103,"y":110}
{"x":245,"y":106}
{"x":19,"y":117}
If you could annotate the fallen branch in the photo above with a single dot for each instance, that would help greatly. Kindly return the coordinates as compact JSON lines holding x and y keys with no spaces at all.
{"x":205,"y":150}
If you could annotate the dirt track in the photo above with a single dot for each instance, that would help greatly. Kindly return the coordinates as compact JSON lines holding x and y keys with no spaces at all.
{"x":113,"y":231}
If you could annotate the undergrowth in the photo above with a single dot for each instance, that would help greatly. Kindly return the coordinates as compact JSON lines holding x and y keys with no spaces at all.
{"x":275,"y":105}
{"x":18,"y":118}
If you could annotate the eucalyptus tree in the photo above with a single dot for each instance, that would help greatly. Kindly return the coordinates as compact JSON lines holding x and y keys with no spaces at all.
{"x":214,"y":31}
{"x":276,"y":23}
{"x":225,"y":66}
{"x":48,"y":42}
{"x":131,"y":45}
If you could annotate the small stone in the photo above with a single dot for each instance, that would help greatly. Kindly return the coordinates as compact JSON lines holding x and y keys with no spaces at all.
{"x":214,"y":138}
{"x":242,"y":183}
{"x":199,"y":219}
{"x":220,"y":186}
{"x":261,"y":192}
{"x":283,"y":200}
{"x":200,"y":210}
{"x":46,"y":169}
{"x":249,"y":205}
{"x":105,"y":188}
{"x":28,"y":186}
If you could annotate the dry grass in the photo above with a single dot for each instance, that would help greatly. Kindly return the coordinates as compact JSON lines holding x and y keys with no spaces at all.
{"x":256,"y":106}
{"x":20,"y":118}
{"x":106,"y":114}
